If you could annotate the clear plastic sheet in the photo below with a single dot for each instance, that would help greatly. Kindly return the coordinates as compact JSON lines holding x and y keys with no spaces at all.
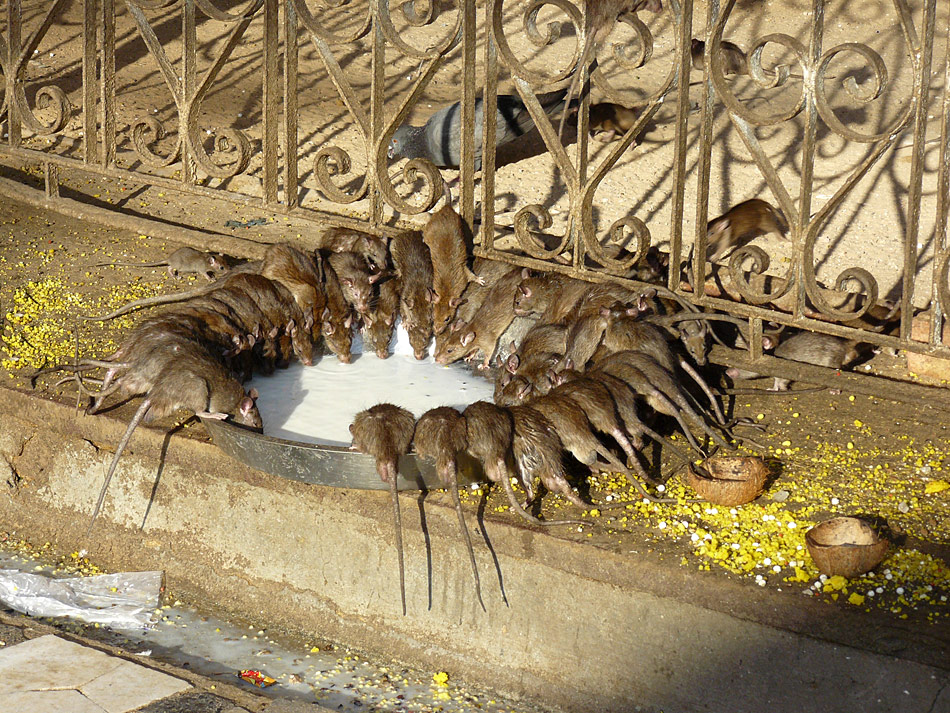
{"x":123,"y":601}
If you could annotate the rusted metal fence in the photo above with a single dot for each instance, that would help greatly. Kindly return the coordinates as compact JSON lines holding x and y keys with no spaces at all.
{"x":381,"y":58}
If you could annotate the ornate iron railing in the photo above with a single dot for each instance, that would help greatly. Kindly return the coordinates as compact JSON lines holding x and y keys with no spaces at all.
{"x":129,"y":98}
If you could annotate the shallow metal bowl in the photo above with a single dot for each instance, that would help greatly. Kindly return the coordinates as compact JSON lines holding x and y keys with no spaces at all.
{"x":334,"y":466}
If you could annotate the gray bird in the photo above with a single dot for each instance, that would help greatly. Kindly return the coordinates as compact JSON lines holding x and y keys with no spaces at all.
{"x":440,"y":139}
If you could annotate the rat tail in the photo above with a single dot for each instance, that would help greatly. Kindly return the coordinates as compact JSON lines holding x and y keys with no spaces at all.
{"x":454,"y":487}
{"x":126,"y":437}
{"x":397,"y":522}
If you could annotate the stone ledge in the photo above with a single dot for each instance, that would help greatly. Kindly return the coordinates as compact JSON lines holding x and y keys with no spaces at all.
{"x":580,"y":627}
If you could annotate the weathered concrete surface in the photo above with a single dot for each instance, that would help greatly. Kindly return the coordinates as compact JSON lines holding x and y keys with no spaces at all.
{"x":579,"y":627}
{"x":226,"y":697}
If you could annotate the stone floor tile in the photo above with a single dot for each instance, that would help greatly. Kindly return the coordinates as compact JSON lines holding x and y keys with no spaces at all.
{"x":51,"y":663}
{"x":47,"y":702}
{"x":131,"y":686}
{"x":192,"y":702}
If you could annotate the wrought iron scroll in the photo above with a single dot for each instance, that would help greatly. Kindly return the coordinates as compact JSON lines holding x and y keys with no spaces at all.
{"x":15,"y":108}
{"x":581,"y":180}
{"x":232,"y":149}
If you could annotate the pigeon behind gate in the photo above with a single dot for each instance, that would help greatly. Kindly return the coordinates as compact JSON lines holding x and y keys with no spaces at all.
{"x":440,"y":139}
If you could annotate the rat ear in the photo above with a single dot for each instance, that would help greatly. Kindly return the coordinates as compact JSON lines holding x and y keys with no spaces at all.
{"x":348,"y":322}
{"x":767,"y":342}
{"x":351,"y":428}
{"x":291,"y":326}
{"x":568,"y":363}
{"x":720,"y":225}
{"x":524,"y":290}
{"x":329,"y":328}
{"x":253,"y":393}
{"x":456,"y":302}
{"x":525,"y":273}
{"x":346,"y":281}
{"x":467,"y":338}
{"x":511,"y":364}
{"x":605,"y":311}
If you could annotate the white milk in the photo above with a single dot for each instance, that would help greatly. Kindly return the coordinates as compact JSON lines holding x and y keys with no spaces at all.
{"x":316,"y":404}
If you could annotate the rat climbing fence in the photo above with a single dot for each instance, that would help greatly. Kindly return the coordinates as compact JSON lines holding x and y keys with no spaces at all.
{"x":289,"y":106}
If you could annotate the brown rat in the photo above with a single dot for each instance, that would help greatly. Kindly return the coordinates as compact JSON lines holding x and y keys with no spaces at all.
{"x":378,"y":333}
{"x":733,"y":58}
{"x":185,"y":261}
{"x":299,"y":273}
{"x":280,"y":308}
{"x":810,"y":348}
{"x":541,"y":349}
{"x":446,"y":236}
{"x":740,"y":224}
{"x":192,"y":380}
{"x":356,"y":278}
{"x":608,"y":121}
{"x":575,"y":431}
{"x":412,"y":263}
{"x":512,"y":390}
{"x":282,"y":263}
{"x":489,"y":272}
{"x":490,"y":435}
{"x":482,"y":333}
{"x":384,"y":431}
{"x":625,"y":332}
{"x":440,"y":435}
{"x":536,"y":293}
{"x":624,"y":400}
{"x":599,"y":19}
{"x":563,"y":408}
{"x":336,"y":322}
{"x":660,"y":389}
{"x":583,"y":337}
{"x":537,"y":449}
{"x":370,"y":247}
